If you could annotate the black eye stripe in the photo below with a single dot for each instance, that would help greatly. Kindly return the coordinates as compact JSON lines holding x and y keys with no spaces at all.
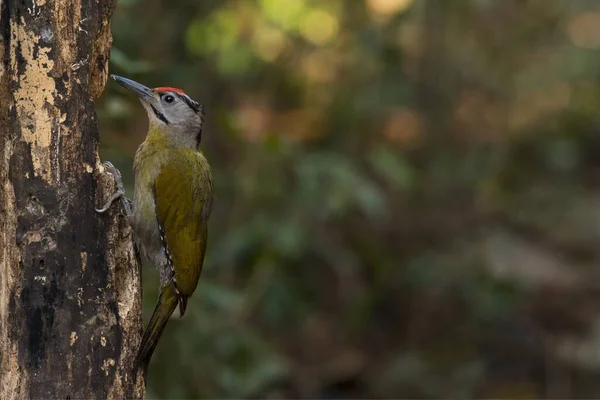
{"x":191,"y":103}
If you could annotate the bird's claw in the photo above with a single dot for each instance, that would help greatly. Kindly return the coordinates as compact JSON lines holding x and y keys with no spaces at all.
{"x":111,"y":200}
{"x":120,"y":193}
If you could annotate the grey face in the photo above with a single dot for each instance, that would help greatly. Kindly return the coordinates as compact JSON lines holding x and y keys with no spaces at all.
{"x":172,"y":110}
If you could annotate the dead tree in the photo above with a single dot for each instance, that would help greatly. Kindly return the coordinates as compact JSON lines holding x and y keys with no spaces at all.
{"x":70,"y":305}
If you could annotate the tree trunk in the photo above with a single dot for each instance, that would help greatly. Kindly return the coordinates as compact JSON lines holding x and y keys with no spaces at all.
{"x":70,"y":304}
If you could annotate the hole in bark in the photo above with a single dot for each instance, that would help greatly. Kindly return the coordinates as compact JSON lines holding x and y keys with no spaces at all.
{"x":68,"y":397}
{"x":41,"y":263}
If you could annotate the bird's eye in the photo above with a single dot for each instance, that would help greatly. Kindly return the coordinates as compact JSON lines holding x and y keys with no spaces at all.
{"x":168,"y":98}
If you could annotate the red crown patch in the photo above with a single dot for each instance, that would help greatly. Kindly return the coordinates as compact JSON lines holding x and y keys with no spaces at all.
{"x":168,"y":89}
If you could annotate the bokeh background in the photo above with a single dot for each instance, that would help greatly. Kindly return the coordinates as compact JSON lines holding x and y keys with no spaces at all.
{"x":407,"y":194}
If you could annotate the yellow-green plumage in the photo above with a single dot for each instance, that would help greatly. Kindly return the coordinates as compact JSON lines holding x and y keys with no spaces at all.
{"x":182,"y":194}
{"x":167,"y":303}
{"x":172,"y":203}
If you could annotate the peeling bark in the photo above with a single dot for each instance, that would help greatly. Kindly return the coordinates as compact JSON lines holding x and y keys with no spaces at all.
{"x":70,"y":304}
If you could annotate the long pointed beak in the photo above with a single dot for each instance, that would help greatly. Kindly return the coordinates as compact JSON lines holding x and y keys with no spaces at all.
{"x":143,"y":92}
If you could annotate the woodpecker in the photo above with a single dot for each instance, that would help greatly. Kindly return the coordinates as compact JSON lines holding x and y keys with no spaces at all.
{"x":172,"y":200}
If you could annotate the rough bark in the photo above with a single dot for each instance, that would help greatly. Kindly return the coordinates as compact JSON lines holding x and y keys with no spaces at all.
{"x":70,"y":305}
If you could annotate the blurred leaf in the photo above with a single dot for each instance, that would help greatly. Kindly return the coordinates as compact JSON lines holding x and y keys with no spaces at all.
{"x":337,"y":183}
{"x":219,"y":32}
{"x":391,"y":165}
{"x":118,"y":107}
{"x":131,"y":67}
{"x":289,"y":238}
{"x":250,"y":364}
{"x":219,"y":297}
{"x":561,"y":154}
{"x":285,"y":13}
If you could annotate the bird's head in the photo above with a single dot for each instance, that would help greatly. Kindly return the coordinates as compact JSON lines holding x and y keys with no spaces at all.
{"x":171,"y":111}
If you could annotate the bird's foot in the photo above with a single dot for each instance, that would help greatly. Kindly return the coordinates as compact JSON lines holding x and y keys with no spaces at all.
{"x":119,"y":194}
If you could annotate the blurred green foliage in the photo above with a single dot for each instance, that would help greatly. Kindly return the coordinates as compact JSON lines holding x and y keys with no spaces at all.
{"x":406,"y":194}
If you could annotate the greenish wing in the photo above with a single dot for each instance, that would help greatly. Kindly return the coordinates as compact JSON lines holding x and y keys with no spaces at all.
{"x":183,"y":198}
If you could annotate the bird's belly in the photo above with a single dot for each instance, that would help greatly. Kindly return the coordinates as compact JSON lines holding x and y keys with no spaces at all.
{"x":147,"y":234}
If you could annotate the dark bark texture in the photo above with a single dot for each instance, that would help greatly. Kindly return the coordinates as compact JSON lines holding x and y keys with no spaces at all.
{"x":70,"y":305}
